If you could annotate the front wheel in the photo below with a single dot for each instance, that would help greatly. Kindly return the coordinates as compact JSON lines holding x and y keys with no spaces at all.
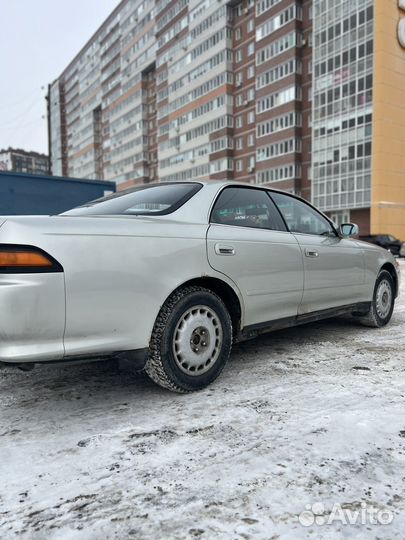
{"x":382,"y":304}
{"x":191,"y":340}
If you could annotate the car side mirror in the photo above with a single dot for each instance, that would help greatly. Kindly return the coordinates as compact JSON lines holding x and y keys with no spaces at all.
{"x":348,"y":229}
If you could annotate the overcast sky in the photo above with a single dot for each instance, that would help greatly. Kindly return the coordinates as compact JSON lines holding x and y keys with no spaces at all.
{"x":38,"y":38}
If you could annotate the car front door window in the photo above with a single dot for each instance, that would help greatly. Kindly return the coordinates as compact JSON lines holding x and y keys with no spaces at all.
{"x":300,"y":217}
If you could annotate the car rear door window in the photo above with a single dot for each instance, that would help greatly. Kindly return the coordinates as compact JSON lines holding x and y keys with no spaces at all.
{"x":246,"y":207}
{"x":300,"y":217}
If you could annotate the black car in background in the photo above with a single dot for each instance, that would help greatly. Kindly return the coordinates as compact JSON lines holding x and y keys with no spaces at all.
{"x":386,"y":241}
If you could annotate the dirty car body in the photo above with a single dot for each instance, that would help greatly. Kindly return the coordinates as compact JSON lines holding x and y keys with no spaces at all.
{"x":110,"y":268}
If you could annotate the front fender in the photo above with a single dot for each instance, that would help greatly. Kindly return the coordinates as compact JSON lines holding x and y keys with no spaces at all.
{"x":375,"y":258}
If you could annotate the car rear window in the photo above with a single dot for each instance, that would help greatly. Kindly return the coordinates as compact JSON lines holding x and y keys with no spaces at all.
{"x":246,"y":207}
{"x":156,"y":200}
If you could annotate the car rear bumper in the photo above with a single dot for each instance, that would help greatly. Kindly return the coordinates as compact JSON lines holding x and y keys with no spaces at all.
{"x":32,"y":317}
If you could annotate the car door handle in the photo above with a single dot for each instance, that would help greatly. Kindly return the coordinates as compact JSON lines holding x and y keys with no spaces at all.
{"x":222,"y":249}
{"x":311,"y":253}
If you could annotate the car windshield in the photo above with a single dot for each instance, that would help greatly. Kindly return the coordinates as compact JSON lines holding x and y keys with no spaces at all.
{"x":156,"y":199}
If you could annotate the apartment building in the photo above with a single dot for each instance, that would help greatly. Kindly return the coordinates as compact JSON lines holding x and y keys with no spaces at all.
{"x":302,"y":95}
{"x":18,"y":160}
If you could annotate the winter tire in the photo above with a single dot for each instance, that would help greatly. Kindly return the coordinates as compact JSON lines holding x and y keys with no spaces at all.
{"x":382,"y":304}
{"x":191,"y":340}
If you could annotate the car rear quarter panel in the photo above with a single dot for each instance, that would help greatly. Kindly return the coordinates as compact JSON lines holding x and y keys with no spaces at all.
{"x":115,"y":285}
{"x":117,"y":272}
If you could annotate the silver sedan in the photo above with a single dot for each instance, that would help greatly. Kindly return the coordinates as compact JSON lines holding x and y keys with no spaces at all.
{"x":166,"y":276}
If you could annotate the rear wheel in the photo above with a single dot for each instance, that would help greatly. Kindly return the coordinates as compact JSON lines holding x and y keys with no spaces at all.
{"x":191,"y":340}
{"x":382,"y":305}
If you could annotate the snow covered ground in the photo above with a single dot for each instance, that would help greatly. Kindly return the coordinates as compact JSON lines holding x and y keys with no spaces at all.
{"x":301,"y":417}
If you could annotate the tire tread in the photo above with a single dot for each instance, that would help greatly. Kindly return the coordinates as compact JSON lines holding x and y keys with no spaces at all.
{"x":371,"y":319}
{"x":154,"y":366}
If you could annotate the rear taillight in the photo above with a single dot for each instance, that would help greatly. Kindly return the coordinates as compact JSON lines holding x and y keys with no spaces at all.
{"x":17,"y":259}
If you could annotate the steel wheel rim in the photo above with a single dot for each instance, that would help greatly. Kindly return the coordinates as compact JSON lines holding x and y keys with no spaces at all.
{"x":383,"y":299}
{"x":197,"y":340}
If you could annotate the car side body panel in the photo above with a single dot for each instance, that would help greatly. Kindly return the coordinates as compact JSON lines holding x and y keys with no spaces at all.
{"x":119,"y":270}
{"x":117,"y":274}
{"x":334,"y":272}
{"x":375,"y":257}
{"x":139,"y":265}
{"x":266,"y":265}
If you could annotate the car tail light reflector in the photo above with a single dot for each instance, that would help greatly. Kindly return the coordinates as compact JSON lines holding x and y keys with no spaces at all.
{"x":26,"y":259}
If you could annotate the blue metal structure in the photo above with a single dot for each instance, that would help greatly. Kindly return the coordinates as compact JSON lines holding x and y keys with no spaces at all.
{"x":31,"y":194}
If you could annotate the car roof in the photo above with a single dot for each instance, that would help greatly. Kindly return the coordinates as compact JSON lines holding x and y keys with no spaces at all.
{"x":218,"y":183}
{"x":226,"y":183}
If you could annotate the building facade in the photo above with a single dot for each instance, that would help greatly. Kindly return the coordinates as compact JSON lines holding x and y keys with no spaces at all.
{"x":302,"y":95}
{"x":17,"y":160}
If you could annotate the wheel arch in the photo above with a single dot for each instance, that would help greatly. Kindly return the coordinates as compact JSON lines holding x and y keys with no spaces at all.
{"x":226,"y":292}
{"x":389,"y":267}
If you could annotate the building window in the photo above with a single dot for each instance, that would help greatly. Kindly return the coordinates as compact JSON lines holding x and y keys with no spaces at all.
{"x":342,"y":98}
{"x":339,"y":218}
{"x":274,"y":23}
{"x":288,"y":146}
{"x":278,"y":72}
{"x":264,"y":5}
{"x":279,"y":98}
{"x":279,"y":123}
